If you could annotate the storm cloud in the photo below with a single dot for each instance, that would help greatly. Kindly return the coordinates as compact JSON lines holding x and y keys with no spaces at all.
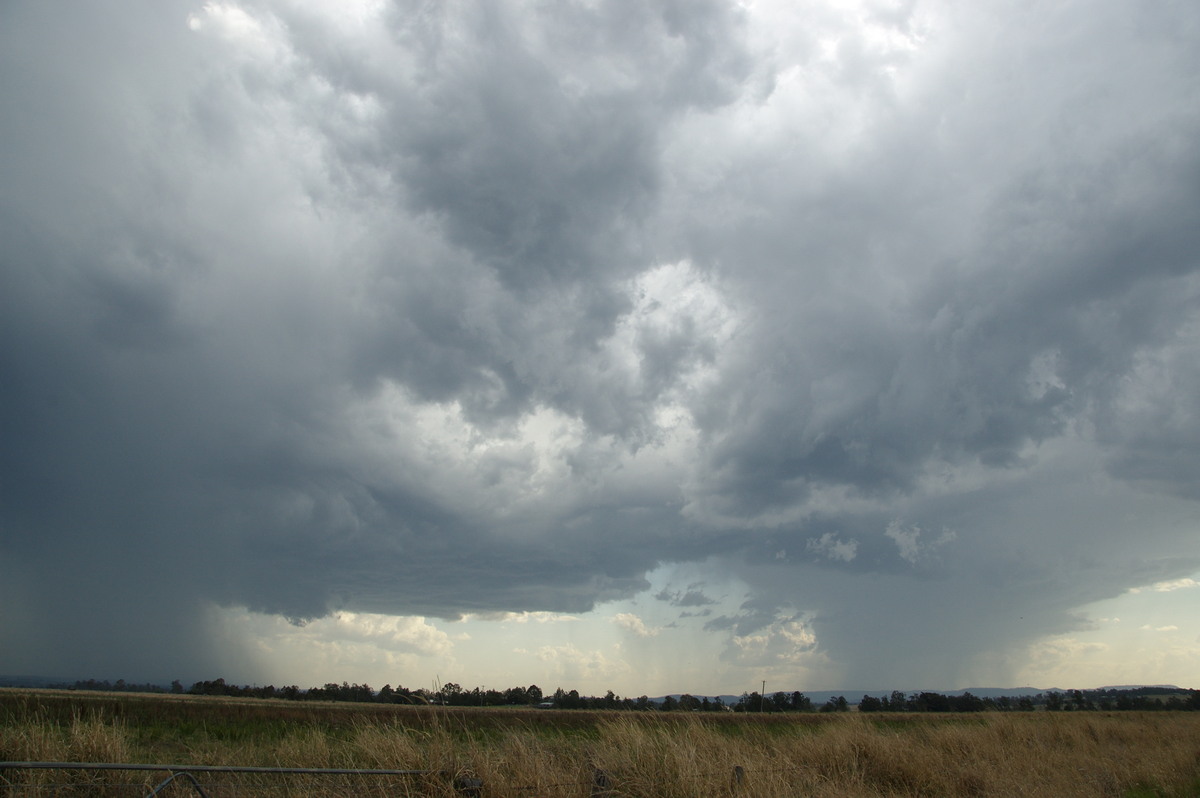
{"x":890,"y":310}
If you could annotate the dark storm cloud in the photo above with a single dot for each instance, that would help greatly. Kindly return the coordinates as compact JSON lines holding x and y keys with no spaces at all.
{"x":181,"y":334}
{"x":298,"y":313}
{"x":692,"y":597}
{"x":924,"y":287}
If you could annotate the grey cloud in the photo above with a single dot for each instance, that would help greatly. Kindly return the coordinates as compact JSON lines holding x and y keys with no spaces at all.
{"x":532,"y":141}
{"x":701,"y":614}
{"x":755,"y":614}
{"x":721,"y":623}
{"x":1060,"y":259}
{"x":246,"y":279}
{"x":532,"y":135}
{"x":691,"y":597}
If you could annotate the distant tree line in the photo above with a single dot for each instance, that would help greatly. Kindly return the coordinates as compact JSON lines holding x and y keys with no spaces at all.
{"x":787,"y":702}
{"x":1107,"y":700}
{"x":452,"y":694}
{"x":936,"y":702}
{"x":119,"y":686}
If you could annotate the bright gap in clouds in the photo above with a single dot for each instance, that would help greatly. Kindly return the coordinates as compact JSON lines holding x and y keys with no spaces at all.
{"x":663,"y":640}
{"x":658,"y":643}
{"x":1147,"y":635}
{"x":615,"y":647}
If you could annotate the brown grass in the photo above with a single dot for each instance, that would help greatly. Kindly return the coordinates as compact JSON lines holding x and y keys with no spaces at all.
{"x":530,"y":753}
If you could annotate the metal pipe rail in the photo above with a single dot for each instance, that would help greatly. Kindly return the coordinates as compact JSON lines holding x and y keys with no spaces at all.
{"x":209,"y":768}
{"x":465,"y":785}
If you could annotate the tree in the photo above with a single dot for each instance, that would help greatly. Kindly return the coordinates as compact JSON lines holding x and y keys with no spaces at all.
{"x":450,"y":693}
{"x":966,"y":703}
{"x":870,"y":703}
{"x":929,"y":702}
{"x":749,"y":702}
{"x":215,"y":687}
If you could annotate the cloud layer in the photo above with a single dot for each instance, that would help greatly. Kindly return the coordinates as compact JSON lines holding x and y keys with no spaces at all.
{"x":889,"y":310}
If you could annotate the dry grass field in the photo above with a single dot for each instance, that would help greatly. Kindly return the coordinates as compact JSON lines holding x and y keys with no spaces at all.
{"x":526,"y":753}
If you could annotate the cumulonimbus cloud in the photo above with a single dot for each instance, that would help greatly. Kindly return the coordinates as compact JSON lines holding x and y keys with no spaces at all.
{"x":433,"y":310}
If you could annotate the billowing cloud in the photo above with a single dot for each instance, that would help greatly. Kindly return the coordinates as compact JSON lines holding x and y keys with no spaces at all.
{"x":631,"y":622}
{"x":391,"y":310}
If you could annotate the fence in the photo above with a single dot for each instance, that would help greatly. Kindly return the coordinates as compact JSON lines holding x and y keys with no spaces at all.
{"x":601,"y":783}
{"x":186,"y":775}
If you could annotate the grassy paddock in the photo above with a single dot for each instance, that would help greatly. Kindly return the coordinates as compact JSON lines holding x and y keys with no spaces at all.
{"x":527,"y":753}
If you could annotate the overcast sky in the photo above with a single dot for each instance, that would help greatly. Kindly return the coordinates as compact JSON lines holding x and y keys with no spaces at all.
{"x":607,"y":345}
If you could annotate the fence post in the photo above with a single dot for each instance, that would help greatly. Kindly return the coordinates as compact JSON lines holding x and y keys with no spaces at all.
{"x":739,"y":777}
{"x":469,"y":786}
{"x":601,"y":784}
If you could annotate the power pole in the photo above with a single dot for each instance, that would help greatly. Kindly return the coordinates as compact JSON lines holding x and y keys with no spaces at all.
{"x":762,"y":697}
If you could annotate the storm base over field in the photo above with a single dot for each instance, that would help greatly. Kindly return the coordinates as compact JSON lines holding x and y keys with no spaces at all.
{"x":638,"y":346}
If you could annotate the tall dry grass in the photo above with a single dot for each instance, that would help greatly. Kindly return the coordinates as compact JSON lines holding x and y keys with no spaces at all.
{"x":1124,"y":755}
{"x":83,"y":739}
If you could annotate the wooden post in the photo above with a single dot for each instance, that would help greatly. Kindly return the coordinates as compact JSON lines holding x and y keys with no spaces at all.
{"x":601,"y":784}
{"x":469,"y":786}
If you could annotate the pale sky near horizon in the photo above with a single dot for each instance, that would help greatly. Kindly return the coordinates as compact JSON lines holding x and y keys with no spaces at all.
{"x":652,"y":347}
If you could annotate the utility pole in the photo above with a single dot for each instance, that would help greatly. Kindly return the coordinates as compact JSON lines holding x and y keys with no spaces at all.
{"x":762,"y":697}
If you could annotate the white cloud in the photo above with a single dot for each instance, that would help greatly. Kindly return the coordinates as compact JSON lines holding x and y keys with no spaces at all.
{"x":787,"y":641}
{"x":627,"y":620}
{"x":1168,"y":586}
{"x":832,"y":547}
{"x":251,"y":36}
{"x":574,"y":666}
{"x":386,"y":632}
{"x":533,"y":617}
